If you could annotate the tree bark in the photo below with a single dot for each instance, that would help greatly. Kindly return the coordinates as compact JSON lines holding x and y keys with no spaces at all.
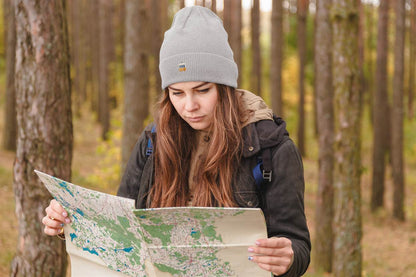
{"x":302,"y":11}
{"x":256,"y":72}
{"x":397,"y":113}
{"x":157,"y":39}
{"x":10,"y":121}
{"x":105,"y":55}
{"x":325,"y":113}
{"x":277,"y":42}
{"x":380,"y":110}
{"x":412,"y":60}
{"x":136,"y":76}
{"x":45,"y":130}
{"x":235,"y":34}
{"x":347,"y":215}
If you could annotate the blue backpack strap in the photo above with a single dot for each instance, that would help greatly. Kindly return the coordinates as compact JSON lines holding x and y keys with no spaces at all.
{"x":149,"y":149}
{"x":263,"y":170}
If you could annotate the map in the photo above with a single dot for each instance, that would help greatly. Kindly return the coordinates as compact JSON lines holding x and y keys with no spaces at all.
{"x":109,"y":237}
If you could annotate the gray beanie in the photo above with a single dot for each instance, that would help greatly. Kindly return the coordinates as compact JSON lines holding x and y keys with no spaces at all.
{"x":196,"y":48}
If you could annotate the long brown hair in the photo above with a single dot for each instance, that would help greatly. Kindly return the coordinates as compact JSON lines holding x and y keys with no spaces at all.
{"x":173,"y":149}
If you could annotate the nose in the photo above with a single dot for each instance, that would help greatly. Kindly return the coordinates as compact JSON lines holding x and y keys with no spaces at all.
{"x":191,"y":104}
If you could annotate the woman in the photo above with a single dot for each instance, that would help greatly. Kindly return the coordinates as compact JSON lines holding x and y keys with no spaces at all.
{"x":207,"y":138}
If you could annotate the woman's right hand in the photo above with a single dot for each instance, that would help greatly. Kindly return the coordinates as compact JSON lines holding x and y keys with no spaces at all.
{"x":55,"y":219}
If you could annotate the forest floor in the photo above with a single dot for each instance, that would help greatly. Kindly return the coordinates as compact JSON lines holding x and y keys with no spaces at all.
{"x":389,"y":246}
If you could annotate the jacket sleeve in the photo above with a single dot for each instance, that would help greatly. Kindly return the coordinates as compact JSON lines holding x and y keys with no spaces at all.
{"x":284,"y":203}
{"x":130,"y":182}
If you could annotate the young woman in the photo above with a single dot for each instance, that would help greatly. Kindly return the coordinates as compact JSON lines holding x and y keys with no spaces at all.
{"x":207,"y":138}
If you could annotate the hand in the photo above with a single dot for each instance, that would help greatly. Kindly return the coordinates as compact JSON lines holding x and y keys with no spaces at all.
{"x":273,"y":254}
{"x":55,"y":219}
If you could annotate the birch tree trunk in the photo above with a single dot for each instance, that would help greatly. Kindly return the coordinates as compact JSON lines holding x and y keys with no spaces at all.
{"x":45,"y":130}
{"x":325,"y":113}
{"x":397,"y":113}
{"x":347,"y":198}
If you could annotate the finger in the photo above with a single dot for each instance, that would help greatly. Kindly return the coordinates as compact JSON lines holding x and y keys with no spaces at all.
{"x":268,"y":251}
{"x":274,"y":242}
{"x":58,"y":208}
{"x":57,"y":212}
{"x":52,"y":231}
{"x":271,"y":260}
{"x":52,"y":222}
{"x":276,"y":270}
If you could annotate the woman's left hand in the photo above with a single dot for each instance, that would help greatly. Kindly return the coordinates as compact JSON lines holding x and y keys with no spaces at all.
{"x":273,"y":254}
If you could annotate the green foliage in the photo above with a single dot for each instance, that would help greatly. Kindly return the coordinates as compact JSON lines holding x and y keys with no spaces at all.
{"x":106,"y":173}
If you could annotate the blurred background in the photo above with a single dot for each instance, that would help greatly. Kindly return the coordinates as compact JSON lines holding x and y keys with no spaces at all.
{"x":341,"y":73}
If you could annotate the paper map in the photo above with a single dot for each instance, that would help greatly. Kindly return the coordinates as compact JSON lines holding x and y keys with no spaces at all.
{"x":109,"y":237}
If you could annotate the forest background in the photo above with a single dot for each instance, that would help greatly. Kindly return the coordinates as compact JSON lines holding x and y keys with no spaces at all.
{"x":101,"y":78}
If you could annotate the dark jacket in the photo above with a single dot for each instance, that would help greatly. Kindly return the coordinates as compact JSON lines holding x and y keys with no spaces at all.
{"x":281,"y":199}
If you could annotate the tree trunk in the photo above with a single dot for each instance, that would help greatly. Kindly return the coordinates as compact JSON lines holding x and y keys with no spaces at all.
{"x":412,"y":60}
{"x":277,"y":42}
{"x":361,"y":54}
{"x":105,"y":53}
{"x":44,"y":142}
{"x":235,"y":34}
{"x":157,"y":39}
{"x":226,"y":16}
{"x":214,"y":6}
{"x":302,"y":11}
{"x":380,"y":109}
{"x":10,"y":121}
{"x":347,"y":198}
{"x":136,"y":76}
{"x":397,"y":113}
{"x":325,"y":112}
{"x":256,"y":72}
{"x":94,"y":46}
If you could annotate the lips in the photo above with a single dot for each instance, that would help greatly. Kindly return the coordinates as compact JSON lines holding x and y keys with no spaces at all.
{"x":195,"y":118}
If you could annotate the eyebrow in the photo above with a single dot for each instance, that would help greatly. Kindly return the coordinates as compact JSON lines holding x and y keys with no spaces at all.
{"x":198,"y":86}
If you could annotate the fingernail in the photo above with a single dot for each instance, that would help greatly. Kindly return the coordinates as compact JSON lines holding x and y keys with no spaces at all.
{"x":257,"y":243}
{"x":64,"y":214}
{"x":67,"y":220}
{"x":62,"y":225}
{"x":250,"y":258}
{"x":250,"y":249}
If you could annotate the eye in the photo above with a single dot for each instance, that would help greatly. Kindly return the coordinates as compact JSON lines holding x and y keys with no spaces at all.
{"x":176,"y":93}
{"x":204,"y":90}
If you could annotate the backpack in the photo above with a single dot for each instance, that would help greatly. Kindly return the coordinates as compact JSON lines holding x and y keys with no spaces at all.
{"x":261,"y":172}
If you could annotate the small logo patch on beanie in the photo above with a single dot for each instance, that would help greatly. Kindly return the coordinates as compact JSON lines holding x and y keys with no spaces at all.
{"x":182,"y":67}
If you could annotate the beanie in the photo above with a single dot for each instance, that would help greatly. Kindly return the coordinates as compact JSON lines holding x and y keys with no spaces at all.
{"x":196,"y":48}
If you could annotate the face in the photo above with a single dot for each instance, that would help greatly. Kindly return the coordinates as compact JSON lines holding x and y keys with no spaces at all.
{"x":195,"y":102}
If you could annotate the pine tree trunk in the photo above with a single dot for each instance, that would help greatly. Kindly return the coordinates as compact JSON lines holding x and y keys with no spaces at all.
{"x":10,"y":121}
{"x":302,"y":11}
{"x":235,"y":34}
{"x":380,"y":109}
{"x":276,"y":48}
{"x":104,"y":52}
{"x":214,"y":6}
{"x":325,"y":113}
{"x":157,"y":39}
{"x":397,"y":113}
{"x":412,"y":60}
{"x":136,"y":76}
{"x":347,"y":198}
{"x":45,"y":130}
{"x":256,"y":72}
